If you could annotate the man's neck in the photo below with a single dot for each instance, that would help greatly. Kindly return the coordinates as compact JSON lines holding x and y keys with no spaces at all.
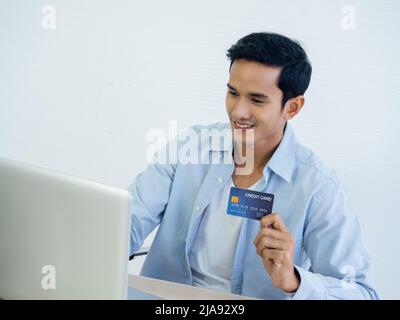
{"x":263,"y":151}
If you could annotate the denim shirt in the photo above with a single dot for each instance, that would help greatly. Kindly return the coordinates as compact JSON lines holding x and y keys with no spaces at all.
{"x":330,"y":254}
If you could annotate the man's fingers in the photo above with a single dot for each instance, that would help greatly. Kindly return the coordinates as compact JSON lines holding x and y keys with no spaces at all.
{"x":275,"y":221}
{"x":265,"y":231}
{"x":270,"y":243}
{"x":276,"y":255}
{"x":269,"y":232}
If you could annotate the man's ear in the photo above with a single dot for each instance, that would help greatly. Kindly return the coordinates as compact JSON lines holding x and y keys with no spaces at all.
{"x":293,"y":107}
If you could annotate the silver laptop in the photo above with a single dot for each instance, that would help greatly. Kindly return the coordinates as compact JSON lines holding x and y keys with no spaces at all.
{"x":61,"y":237}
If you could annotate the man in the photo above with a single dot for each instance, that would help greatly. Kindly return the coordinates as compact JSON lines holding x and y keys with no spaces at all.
{"x":311,"y":247}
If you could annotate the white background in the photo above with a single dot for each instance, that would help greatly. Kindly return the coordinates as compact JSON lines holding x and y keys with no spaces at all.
{"x":80,"y":99}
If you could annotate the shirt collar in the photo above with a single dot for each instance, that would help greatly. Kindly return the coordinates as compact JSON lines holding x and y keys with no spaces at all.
{"x":282,"y":161}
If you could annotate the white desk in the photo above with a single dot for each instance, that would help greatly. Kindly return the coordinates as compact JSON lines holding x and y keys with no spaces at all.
{"x":171,"y":290}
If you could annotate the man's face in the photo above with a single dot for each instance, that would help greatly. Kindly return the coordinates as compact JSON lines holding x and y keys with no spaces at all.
{"x":253,"y":99}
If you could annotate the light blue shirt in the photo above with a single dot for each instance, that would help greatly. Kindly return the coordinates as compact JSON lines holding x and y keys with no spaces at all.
{"x":330,"y":254}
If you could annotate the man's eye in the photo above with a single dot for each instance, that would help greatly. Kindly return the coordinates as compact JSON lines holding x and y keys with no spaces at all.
{"x":257,"y":101}
{"x":232,"y":93}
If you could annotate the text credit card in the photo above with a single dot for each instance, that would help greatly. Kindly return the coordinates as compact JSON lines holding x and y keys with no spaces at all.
{"x":249,"y":204}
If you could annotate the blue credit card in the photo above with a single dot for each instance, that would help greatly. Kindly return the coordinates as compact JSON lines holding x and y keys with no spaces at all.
{"x":249,"y":204}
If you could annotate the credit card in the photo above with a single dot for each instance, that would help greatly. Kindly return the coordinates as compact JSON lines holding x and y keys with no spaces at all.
{"x":249,"y":204}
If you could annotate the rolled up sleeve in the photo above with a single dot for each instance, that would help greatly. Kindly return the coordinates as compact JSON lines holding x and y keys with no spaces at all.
{"x":150,"y":192}
{"x":340,"y":264}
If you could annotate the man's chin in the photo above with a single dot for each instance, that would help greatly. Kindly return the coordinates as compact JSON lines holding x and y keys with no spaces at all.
{"x":244,"y":137}
{"x":247,"y":144}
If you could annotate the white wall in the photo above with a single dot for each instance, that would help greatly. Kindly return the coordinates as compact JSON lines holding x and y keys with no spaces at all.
{"x":81,"y":98}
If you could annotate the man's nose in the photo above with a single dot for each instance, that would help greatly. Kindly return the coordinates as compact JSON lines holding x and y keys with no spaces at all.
{"x":242,"y":110}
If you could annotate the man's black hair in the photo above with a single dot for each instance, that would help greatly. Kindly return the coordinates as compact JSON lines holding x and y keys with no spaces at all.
{"x":273,"y":49}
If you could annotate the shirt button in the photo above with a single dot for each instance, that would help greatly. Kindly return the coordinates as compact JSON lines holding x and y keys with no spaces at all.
{"x":198,"y":208}
{"x":219,"y":180}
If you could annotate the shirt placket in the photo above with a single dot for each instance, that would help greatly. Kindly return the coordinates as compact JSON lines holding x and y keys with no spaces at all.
{"x":244,"y":242}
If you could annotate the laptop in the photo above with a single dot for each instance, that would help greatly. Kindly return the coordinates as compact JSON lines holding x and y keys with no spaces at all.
{"x":61,"y":237}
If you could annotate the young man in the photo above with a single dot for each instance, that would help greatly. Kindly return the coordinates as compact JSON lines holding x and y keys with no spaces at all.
{"x":311,"y":247}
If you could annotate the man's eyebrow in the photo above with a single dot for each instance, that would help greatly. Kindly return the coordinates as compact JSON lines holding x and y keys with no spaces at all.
{"x":252,"y":94}
{"x":230,"y":87}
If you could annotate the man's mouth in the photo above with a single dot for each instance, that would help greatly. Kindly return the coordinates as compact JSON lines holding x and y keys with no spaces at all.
{"x":242,"y":125}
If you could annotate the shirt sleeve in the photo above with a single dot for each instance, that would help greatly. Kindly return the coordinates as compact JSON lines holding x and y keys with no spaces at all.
{"x":150,"y":193}
{"x":340,"y":264}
